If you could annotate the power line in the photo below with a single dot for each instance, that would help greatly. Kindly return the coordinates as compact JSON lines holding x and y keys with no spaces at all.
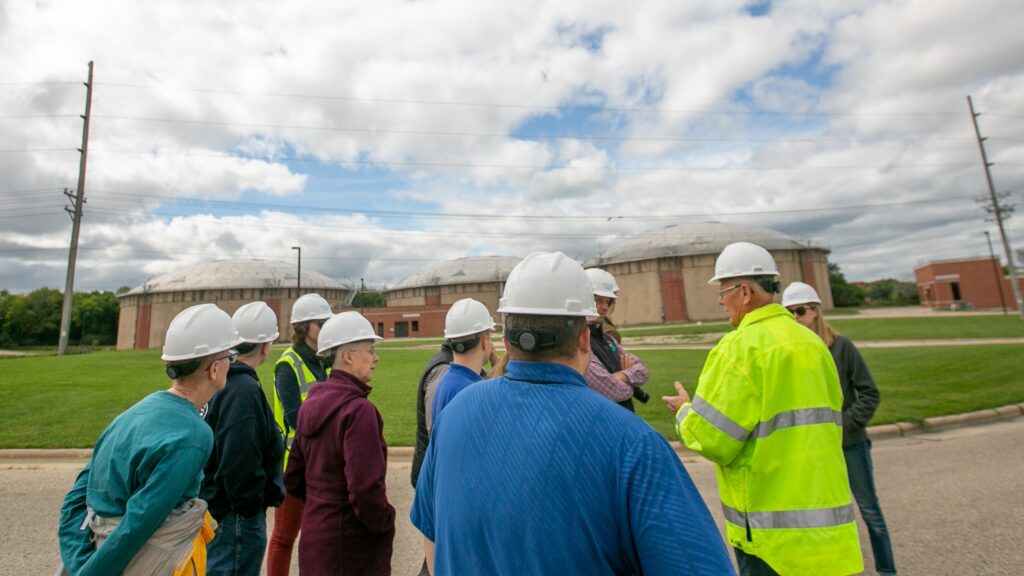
{"x":579,"y":108}
{"x":527,"y":136}
{"x":548,"y":167}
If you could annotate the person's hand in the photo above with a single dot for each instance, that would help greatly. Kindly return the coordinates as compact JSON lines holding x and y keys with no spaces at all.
{"x":493,"y":359}
{"x":674,"y":402}
{"x":627,"y":361}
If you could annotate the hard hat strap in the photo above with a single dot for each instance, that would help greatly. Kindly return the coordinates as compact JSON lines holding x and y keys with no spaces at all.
{"x":463,"y":346}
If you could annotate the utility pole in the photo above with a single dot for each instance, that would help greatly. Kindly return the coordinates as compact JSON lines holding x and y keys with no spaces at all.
{"x":76,"y":224}
{"x":298,"y":277}
{"x":362,"y":296}
{"x":997,"y":210}
{"x":998,"y":271}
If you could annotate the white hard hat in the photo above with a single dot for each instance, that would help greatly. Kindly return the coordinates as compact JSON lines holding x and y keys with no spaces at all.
{"x":199,"y":331}
{"x":256,"y":323}
{"x":310,"y":307}
{"x":548,"y":284}
{"x":800,"y":293}
{"x":603,"y":282}
{"x":344,"y":328}
{"x":467,"y":317}
{"x":741,"y":259}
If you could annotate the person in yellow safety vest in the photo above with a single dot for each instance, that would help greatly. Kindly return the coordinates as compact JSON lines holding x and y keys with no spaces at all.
{"x":295,"y":372}
{"x":767,"y":412}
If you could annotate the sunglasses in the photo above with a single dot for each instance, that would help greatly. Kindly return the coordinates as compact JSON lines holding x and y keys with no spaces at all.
{"x":799,"y":311}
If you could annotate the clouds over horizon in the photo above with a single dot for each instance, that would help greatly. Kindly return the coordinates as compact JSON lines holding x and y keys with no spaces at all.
{"x":369,"y":134}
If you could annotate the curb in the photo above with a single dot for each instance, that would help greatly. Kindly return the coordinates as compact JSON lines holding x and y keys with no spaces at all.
{"x":404,"y":453}
{"x":936,"y":423}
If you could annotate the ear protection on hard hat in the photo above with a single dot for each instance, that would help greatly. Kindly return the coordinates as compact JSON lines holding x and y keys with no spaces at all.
{"x":529,"y":341}
{"x":175,"y":371}
{"x":463,"y":346}
{"x":770,"y":285}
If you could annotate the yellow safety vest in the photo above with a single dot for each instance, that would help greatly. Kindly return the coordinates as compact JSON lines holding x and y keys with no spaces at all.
{"x":768,"y":413}
{"x":306,"y":380}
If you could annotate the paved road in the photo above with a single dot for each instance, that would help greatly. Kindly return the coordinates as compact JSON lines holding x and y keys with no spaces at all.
{"x":953,"y":500}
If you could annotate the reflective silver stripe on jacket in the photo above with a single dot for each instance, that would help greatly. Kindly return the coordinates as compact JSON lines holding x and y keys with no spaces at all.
{"x":682,"y":415}
{"x":813,"y":518}
{"x":719,"y":420}
{"x":799,"y":417}
{"x":300,"y":371}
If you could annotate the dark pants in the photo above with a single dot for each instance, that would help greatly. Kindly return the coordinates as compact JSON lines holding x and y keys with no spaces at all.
{"x":752,"y":565}
{"x":862,"y":484}
{"x":237,"y":549}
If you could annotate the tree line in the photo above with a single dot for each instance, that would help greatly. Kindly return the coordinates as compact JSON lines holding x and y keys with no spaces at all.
{"x":33,"y":319}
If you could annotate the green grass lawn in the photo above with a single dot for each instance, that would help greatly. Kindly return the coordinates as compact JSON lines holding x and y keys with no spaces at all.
{"x":926,"y":328}
{"x":66,"y":402}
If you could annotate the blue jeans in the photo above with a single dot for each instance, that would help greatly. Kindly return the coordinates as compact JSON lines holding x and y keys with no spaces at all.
{"x":862,"y":484}
{"x":237,"y":549}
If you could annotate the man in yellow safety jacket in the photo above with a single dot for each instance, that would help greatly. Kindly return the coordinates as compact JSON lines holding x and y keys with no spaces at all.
{"x":768,"y":413}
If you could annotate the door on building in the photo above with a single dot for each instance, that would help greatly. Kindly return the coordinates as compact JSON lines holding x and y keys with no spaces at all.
{"x":401,"y":329}
{"x":956,"y":291}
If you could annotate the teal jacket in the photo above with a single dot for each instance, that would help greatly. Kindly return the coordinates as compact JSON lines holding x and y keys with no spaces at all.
{"x":146,"y":463}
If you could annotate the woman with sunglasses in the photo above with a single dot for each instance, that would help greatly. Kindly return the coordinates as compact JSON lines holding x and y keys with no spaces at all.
{"x":860,"y":400}
{"x":295,"y":372}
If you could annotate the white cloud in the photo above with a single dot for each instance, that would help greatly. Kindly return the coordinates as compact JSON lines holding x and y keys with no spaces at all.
{"x":419,"y":102}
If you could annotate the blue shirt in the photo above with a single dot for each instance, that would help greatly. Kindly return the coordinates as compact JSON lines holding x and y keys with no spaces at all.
{"x":455,"y":380}
{"x":146,"y":463}
{"x":535,"y":473}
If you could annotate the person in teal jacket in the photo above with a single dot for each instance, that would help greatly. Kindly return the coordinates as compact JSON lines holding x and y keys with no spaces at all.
{"x":147,"y":465}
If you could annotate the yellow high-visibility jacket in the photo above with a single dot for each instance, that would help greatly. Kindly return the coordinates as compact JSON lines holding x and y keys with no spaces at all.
{"x":306,"y":380}
{"x":768,"y":413}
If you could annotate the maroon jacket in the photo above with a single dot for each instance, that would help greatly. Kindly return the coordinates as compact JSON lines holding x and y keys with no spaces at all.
{"x":337,"y":465}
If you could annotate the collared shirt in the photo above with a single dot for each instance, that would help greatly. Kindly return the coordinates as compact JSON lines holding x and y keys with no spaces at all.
{"x":455,"y":380}
{"x":535,"y":473}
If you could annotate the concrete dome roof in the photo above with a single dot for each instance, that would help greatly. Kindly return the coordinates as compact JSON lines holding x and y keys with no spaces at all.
{"x":692,"y":240}
{"x":235,"y":274}
{"x":469,"y":270}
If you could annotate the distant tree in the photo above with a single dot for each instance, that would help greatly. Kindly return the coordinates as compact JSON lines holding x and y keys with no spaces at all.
{"x":843,"y":294}
{"x":891,"y":292}
{"x":369,"y":299}
{"x":34,"y":318}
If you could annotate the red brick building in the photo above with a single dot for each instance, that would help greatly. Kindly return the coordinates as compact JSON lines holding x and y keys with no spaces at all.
{"x":966,"y":282}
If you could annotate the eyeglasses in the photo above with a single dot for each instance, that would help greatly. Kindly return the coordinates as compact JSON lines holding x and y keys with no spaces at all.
{"x":729,"y":289}
{"x":799,"y":311}
{"x":231,"y":357}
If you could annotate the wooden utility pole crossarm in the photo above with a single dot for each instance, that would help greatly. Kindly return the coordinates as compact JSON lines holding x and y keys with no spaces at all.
{"x":76,"y":224}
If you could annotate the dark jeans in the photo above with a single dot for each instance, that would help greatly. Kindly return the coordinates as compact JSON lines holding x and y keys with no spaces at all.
{"x":752,"y":565}
{"x":237,"y":549}
{"x":862,"y":484}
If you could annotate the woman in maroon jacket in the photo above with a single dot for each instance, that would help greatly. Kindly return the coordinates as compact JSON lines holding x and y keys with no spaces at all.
{"x":338,"y":460}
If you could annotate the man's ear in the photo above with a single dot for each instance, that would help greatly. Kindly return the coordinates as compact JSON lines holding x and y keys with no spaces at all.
{"x":584,"y":342}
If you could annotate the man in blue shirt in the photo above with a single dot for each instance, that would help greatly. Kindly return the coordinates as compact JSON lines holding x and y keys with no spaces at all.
{"x":467,"y":331}
{"x":535,"y":473}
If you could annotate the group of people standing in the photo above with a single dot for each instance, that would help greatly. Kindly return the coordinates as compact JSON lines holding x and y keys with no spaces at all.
{"x":535,"y":467}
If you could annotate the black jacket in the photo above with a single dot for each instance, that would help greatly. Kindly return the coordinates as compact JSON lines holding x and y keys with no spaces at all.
{"x":860,"y":395}
{"x":444,"y":356}
{"x":243,"y":474}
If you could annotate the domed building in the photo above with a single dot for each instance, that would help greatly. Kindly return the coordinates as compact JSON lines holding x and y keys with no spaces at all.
{"x":663,"y":273}
{"x":147,"y":310}
{"x":417,"y":305}
{"x":478,"y":277}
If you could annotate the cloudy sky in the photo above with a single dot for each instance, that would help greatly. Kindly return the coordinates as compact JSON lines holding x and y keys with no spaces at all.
{"x":386,"y":136}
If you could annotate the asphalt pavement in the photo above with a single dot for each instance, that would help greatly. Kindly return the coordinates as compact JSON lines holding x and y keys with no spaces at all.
{"x":953,"y":500}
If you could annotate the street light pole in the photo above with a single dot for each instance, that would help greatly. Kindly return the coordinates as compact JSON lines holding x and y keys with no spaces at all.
{"x":298,"y":277}
{"x":998,"y":271}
